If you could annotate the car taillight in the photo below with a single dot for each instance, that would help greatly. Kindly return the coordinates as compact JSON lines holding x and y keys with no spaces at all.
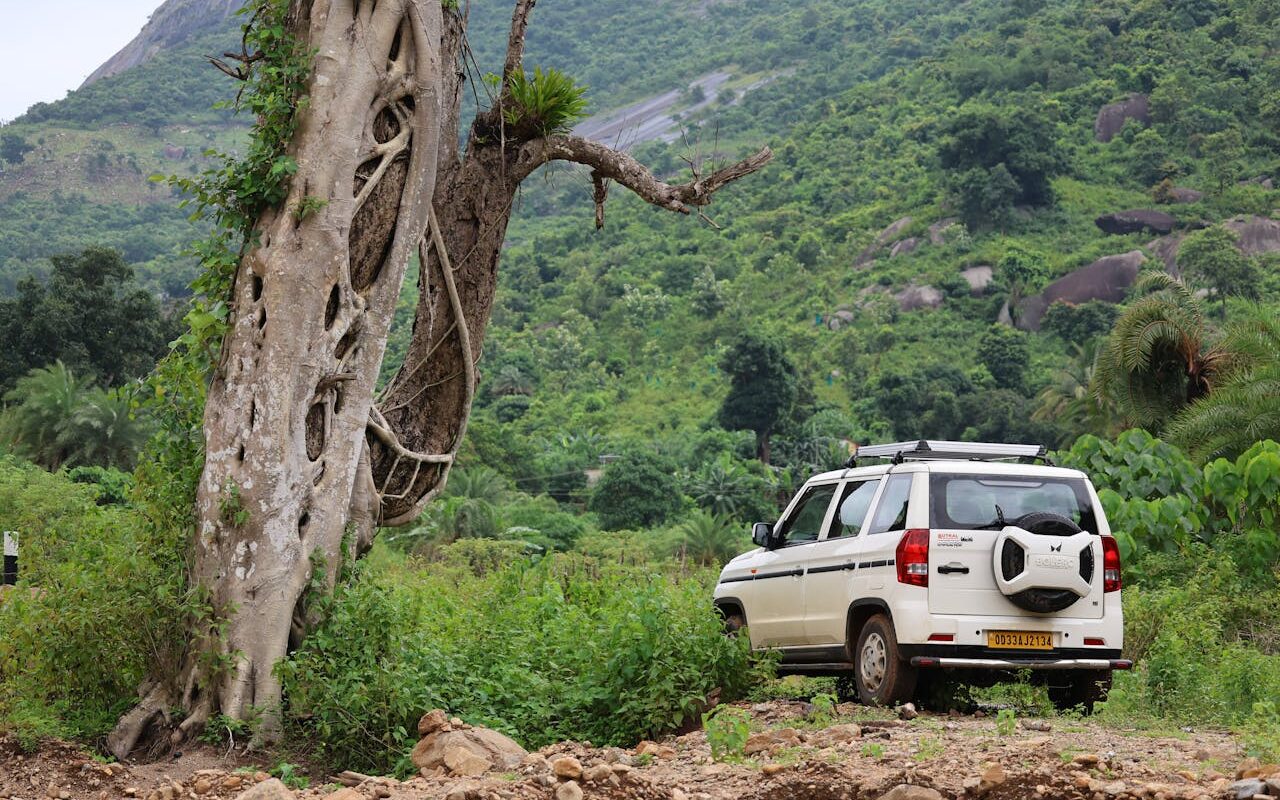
{"x":912,"y":557}
{"x":1110,"y":564}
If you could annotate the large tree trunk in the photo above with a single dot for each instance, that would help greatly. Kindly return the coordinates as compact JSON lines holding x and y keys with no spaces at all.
{"x":301,"y":465}
{"x":287,"y":408}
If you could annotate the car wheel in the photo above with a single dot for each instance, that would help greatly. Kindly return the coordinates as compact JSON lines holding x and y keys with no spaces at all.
{"x":733,"y":623}
{"x":883,"y":677}
{"x":1079,"y":689}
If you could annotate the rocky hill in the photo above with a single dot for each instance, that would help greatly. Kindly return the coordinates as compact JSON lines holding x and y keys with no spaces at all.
{"x":173,"y":24}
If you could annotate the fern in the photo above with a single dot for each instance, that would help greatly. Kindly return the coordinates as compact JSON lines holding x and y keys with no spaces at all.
{"x":548,"y":103}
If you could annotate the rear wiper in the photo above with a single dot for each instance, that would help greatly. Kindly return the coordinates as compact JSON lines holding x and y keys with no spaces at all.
{"x":998,"y":522}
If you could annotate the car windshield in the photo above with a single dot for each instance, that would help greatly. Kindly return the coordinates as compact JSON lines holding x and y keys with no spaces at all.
{"x":969,"y":502}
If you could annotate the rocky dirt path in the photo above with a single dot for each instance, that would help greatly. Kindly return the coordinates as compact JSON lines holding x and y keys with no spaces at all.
{"x":859,"y":754}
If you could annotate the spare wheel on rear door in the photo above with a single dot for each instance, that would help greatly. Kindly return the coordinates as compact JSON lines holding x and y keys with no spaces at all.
{"x":1044,"y":562}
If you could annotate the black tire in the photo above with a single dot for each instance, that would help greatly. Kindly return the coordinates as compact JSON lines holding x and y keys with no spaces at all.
{"x":1045,"y":523}
{"x":734,"y":622}
{"x":1041,"y":601}
{"x":882,"y":675}
{"x":1079,"y":689}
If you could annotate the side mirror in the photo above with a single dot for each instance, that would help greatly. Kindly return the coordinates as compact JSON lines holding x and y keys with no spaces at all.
{"x":762,"y":534}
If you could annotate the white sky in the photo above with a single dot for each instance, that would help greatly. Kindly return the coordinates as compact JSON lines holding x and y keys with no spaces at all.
{"x":48,"y":47}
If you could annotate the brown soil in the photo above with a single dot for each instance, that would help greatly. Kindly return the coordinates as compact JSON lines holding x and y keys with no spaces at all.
{"x":952,"y":754}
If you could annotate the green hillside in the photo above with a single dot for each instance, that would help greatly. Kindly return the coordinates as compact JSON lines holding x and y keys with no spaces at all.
{"x":622,"y":330}
{"x":85,"y":180}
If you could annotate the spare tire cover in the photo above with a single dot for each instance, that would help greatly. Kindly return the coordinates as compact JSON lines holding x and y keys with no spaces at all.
{"x":1044,"y":562}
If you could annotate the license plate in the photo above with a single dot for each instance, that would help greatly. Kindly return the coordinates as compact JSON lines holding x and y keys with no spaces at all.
{"x":1020,"y":640}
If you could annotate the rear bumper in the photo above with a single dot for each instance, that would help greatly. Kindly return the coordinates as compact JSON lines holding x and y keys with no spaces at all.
{"x":945,"y":662}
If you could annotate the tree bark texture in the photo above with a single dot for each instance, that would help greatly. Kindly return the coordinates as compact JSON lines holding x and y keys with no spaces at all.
{"x":287,"y":408}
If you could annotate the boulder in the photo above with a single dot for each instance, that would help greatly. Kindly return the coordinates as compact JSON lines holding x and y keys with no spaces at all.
{"x":270,"y":789}
{"x":1181,"y":194}
{"x":936,"y":229}
{"x":1108,"y":279}
{"x":463,"y":749}
{"x":1258,"y":235}
{"x":839,"y":319}
{"x":836,"y":734}
{"x":768,"y":741}
{"x":1136,"y":221}
{"x":432,"y":721}
{"x":466,"y":762}
{"x":889,"y":234}
{"x":1166,"y":249}
{"x":567,"y":767}
{"x":978,"y":278}
{"x":903,"y":247}
{"x":917,"y":297}
{"x":1112,"y":117}
{"x":1245,"y":789}
{"x":896,"y":227}
{"x":569,"y":791}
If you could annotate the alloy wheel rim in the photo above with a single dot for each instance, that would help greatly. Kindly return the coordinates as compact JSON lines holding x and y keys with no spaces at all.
{"x":873,"y":662}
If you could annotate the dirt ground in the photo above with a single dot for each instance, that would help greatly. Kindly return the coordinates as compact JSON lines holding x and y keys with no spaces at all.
{"x":857,"y":753}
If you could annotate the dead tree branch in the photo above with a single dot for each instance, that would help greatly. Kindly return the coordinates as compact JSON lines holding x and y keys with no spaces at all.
{"x":515,"y":40}
{"x":616,"y":165}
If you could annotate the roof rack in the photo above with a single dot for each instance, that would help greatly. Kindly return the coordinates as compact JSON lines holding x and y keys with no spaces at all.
{"x":933,"y":449}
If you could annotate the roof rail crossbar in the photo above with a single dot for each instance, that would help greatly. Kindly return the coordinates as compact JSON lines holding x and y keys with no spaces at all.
{"x":935,"y":449}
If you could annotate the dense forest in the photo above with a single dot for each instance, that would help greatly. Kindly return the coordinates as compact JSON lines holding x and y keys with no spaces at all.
{"x":994,"y":220}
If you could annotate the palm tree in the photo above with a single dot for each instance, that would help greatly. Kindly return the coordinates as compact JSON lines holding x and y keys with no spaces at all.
{"x":710,"y":539}
{"x":478,"y":483}
{"x":43,"y":404}
{"x":1157,"y":359}
{"x":1245,"y":407}
{"x":104,"y":431}
{"x":59,"y":420}
{"x":511,"y":380}
{"x":721,"y":487}
{"x":1068,"y":401}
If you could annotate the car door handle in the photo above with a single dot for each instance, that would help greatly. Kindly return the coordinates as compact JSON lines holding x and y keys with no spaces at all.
{"x":947,"y":569}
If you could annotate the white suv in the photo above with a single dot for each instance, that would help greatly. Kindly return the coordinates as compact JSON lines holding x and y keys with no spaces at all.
{"x":958,"y":556}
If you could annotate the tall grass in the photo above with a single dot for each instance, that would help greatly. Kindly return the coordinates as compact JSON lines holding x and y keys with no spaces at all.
{"x":567,"y":647}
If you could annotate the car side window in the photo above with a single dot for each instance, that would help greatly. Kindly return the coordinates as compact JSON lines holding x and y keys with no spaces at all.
{"x":891,"y":514}
{"x":852,"y":511}
{"x":805,"y":522}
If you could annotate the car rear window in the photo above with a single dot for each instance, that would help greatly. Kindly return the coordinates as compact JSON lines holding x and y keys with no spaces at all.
{"x":967,"y":502}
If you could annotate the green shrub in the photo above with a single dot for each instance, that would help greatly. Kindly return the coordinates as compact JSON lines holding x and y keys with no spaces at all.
{"x":98,"y":598}
{"x":546,"y":522}
{"x":565,"y":648}
{"x":638,"y":490}
{"x":728,"y":729}
{"x":1204,"y":644}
